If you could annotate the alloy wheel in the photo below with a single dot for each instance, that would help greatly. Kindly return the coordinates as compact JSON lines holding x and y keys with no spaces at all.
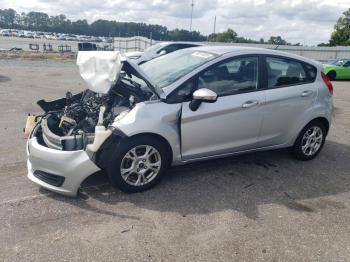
{"x":312,"y":140}
{"x":140,"y":165}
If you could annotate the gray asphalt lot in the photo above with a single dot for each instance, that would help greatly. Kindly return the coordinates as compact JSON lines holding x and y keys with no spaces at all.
{"x":256,"y":207}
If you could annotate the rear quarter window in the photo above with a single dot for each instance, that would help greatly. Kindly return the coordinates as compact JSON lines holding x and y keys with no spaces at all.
{"x":311,"y":72}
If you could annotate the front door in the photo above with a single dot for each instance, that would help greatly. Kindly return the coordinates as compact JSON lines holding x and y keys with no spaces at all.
{"x":233,"y":122}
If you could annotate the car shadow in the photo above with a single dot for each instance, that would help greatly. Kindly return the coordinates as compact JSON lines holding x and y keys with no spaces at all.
{"x":240,"y":183}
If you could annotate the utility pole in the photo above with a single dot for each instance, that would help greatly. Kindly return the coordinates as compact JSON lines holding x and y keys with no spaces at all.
{"x":214,"y":28}
{"x":192,"y":4}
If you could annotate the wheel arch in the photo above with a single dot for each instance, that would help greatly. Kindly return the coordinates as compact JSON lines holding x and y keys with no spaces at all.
{"x":324,"y":121}
{"x":105,"y":153}
{"x":321,"y":119}
{"x":161,"y":138}
{"x":332,"y":71}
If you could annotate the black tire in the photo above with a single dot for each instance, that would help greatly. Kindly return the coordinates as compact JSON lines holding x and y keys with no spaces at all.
{"x":332,"y":75}
{"x":114,"y":169}
{"x":297,"y":150}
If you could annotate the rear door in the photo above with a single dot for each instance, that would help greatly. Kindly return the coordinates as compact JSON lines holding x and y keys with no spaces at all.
{"x":233,"y":122}
{"x":290,"y":95}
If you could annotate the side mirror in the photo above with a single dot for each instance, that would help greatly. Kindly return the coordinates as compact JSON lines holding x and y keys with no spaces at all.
{"x":163,"y":52}
{"x":202,"y":95}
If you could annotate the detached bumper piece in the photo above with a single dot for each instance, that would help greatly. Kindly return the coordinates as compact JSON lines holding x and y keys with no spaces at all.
{"x":50,"y":179}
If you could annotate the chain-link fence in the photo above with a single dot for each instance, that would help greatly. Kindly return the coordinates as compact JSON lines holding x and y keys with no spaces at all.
{"x":139,"y":43}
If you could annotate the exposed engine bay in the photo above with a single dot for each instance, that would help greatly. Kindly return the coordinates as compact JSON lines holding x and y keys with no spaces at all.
{"x":80,"y":112}
{"x":69,"y":123}
{"x":114,"y":86}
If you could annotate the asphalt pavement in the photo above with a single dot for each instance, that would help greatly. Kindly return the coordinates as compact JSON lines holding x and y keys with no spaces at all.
{"x":255,"y":207}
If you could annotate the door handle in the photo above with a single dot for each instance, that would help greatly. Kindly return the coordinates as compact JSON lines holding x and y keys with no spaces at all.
{"x":306,"y":93}
{"x":249,"y":104}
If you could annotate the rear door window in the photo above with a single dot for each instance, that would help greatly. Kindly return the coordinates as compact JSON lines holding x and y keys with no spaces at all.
{"x":286,"y":72}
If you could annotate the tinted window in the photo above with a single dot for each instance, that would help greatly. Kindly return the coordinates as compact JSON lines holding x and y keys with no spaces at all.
{"x":311,"y":72}
{"x":232,"y":77}
{"x":154,"y":47}
{"x":168,"y":49}
{"x":284,"y":72}
{"x":182,"y":93}
{"x":181,"y":46}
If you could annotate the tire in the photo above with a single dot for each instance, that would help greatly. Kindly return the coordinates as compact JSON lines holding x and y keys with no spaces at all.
{"x":139,"y":172}
{"x":332,"y":75}
{"x":300,"y":149}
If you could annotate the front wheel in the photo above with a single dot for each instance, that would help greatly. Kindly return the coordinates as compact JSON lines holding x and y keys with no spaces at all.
{"x":138,"y":164}
{"x":310,"y":141}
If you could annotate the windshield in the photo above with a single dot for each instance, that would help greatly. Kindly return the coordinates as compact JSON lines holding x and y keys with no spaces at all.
{"x":341,"y":62}
{"x":154,"y":47}
{"x":331,"y":62}
{"x":165,"y":70}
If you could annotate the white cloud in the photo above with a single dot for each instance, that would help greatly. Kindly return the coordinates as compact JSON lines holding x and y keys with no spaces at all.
{"x":305,"y":21}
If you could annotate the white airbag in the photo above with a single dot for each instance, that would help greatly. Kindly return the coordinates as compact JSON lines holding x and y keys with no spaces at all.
{"x":99,"y":69}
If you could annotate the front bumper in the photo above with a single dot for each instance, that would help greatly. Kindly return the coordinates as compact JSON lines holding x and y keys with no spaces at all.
{"x":72,"y":166}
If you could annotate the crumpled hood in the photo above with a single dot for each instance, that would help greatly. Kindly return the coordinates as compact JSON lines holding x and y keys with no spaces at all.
{"x":101,"y":69}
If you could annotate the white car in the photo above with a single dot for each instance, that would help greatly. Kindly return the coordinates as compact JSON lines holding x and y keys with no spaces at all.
{"x":158,"y":50}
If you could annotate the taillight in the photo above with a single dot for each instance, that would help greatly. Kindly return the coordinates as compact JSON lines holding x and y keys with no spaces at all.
{"x":327,"y":82}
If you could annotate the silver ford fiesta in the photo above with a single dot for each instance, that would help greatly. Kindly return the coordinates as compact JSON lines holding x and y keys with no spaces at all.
{"x":191,"y":105}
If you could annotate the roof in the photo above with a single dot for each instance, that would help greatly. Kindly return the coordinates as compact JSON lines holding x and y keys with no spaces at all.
{"x":226,"y":49}
{"x":180,"y":42}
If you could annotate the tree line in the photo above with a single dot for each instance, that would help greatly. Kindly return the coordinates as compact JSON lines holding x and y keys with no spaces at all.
{"x":39,"y":21}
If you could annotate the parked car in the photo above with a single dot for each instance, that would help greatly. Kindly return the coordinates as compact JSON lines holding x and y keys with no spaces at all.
{"x":338,"y":70}
{"x":71,"y":37}
{"x":159,"y":50}
{"x":5,"y":32}
{"x":331,"y":61}
{"x":191,"y":105}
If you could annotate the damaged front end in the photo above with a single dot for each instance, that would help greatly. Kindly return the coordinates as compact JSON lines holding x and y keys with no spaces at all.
{"x":71,"y":130}
{"x":71,"y":123}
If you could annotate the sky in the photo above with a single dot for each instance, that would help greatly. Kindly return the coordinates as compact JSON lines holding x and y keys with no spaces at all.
{"x":306,"y":21}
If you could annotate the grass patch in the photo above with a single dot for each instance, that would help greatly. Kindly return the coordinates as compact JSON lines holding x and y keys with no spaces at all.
{"x":26,"y":55}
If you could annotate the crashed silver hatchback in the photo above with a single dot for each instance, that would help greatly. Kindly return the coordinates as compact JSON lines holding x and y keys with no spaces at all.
{"x":193,"y":104}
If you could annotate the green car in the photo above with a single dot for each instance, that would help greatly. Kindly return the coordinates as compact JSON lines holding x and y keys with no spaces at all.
{"x":338,"y":69}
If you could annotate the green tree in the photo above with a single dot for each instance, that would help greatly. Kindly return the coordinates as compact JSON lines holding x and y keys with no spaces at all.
{"x":277,"y":40}
{"x":37,"y":21}
{"x":341,"y":34}
{"x":229,"y":36}
{"x":7,"y":18}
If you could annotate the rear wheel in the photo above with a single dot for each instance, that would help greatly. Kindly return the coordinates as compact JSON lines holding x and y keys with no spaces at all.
{"x":138,"y":164}
{"x":310,"y":141}
{"x":332,"y":75}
